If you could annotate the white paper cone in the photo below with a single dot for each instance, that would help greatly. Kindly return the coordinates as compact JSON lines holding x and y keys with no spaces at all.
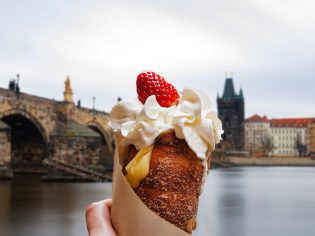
{"x":130,"y":216}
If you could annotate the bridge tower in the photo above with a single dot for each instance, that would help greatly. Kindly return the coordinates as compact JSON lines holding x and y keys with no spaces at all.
{"x":231,"y":112}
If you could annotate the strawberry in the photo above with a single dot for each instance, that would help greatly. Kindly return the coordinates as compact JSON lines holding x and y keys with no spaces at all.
{"x":150,"y":83}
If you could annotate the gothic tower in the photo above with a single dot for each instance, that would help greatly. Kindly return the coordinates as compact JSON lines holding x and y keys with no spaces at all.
{"x":231,"y":113}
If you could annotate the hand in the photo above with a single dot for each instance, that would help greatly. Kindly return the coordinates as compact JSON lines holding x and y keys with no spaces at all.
{"x":98,"y":219}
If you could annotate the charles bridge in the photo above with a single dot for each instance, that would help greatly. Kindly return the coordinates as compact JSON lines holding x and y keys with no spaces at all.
{"x":58,"y":139}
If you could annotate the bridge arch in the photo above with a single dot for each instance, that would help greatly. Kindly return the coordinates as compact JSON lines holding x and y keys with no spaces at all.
{"x":29,"y":141}
{"x":107,"y":153}
{"x":105,"y":134}
{"x":28,"y":116}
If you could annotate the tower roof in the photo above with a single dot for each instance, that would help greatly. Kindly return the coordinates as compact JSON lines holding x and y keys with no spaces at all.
{"x":228,"y":91}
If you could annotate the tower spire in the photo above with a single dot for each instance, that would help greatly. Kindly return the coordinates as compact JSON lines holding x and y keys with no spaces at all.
{"x":229,"y":74}
{"x":241,"y":93}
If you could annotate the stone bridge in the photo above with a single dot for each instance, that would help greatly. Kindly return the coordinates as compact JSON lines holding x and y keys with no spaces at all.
{"x":34,"y":128}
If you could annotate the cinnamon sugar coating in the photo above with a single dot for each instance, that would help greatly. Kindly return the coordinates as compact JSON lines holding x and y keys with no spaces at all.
{"x":172,"y":187}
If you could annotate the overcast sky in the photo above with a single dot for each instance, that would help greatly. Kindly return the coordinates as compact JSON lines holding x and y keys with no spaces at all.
{"x":103,"y":45}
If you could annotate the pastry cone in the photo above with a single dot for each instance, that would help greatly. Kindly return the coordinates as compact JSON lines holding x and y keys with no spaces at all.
{"x":172,"y":187}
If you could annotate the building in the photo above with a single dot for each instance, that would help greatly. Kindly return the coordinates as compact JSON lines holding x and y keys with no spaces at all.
{"x":311,"y":135}
{"x":257,"y":135}
{"x":289,"y":136}
{"x":231,"y":112}
{"x":279,"y":137}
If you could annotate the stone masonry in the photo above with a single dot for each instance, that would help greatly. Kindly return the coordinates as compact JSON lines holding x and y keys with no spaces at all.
{"x":5,"y":149}
{"x":34,"y":128}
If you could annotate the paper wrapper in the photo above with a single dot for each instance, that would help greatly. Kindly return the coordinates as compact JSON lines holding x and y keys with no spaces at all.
{"x":130,"y":216}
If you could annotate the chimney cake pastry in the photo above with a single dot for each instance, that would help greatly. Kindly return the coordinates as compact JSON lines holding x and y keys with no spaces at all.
{"x":167,"y":139}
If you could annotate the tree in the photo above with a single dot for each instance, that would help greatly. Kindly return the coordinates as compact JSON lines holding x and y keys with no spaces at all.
{"x":267,"y":145}
{"x":299,"y":145}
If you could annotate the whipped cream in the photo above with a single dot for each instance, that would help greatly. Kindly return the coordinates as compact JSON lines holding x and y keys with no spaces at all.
{"x":193,"y":119}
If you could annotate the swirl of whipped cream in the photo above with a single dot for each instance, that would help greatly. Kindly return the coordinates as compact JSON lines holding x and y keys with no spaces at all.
{"x":193,"y":119}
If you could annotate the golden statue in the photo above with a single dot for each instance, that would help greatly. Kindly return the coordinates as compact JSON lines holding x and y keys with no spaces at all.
{"x":67,"y":94}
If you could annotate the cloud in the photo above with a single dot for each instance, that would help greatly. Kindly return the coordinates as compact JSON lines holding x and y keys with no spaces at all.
{"x":103,"y":45}
{"x":293,"y":13}
{"x":134,"y":38}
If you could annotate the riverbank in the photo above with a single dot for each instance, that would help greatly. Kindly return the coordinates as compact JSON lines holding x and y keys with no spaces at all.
{"x":264,"y":161}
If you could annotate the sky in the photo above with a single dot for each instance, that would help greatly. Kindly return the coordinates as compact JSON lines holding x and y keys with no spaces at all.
{"x":103,"y":46}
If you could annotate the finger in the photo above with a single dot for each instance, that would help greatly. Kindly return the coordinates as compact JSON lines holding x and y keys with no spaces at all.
{"x":107,"y":203}
{"x":98,"y":219}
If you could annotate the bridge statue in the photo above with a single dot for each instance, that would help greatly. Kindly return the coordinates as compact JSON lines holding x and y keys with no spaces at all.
{"x":68,"y":91}
{"x":54,"y":138}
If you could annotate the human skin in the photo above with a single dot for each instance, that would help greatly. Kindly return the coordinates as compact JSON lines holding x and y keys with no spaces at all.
{"x":98,"y":219}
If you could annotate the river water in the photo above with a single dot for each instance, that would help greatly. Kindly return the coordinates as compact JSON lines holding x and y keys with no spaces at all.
{"x":246,"y":201}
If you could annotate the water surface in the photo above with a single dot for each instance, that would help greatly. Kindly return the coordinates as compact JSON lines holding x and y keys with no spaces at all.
{"x":246,"y":201}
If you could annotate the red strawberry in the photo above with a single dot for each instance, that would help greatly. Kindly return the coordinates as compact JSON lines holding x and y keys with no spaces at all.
{"x":150,"y":83}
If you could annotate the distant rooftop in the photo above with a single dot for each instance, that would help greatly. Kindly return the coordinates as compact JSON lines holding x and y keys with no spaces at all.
{"x":282,"y":122}
{"x":291,"y":122}
{"x":257,"y":118}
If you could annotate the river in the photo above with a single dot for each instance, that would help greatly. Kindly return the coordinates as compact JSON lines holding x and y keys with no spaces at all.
{"x":245,"y":201}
